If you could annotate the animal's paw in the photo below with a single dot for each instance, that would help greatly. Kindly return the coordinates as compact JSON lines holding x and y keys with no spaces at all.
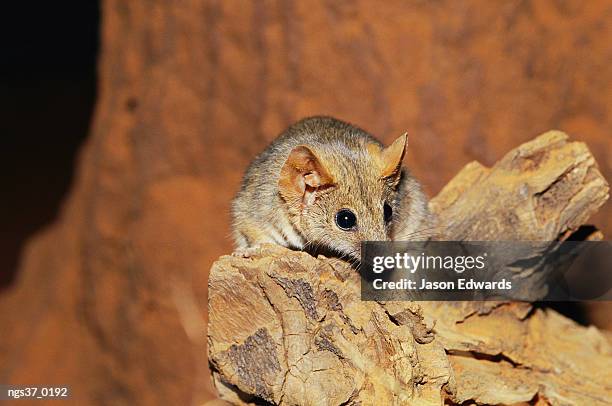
{"x":247,"y":252}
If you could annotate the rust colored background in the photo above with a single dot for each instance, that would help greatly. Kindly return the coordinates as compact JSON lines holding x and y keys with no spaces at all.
{"x":110,"y":299}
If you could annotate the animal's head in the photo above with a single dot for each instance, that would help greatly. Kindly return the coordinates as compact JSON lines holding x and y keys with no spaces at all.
{"x":339,"y":196}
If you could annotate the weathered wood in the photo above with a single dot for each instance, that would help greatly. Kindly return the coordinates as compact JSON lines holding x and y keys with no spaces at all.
{"x":291,"y":329}
{"x":538,"y":191}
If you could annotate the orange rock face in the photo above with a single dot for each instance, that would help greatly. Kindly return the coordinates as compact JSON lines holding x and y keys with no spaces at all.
{"x":110,"y":299}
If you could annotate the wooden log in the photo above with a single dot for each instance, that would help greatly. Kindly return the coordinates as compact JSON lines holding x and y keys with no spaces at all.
{"x":288,"y":328}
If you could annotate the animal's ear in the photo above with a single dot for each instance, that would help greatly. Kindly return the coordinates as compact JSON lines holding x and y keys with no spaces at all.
{"x":391,"y":158}
{"x":302,"y":176}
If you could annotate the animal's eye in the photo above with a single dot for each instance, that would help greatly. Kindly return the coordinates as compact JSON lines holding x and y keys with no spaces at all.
{"x":387,"y":212}
{"x":346,"y":219}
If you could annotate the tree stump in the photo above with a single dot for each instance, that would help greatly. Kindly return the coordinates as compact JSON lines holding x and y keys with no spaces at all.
{"x":288,"y":328}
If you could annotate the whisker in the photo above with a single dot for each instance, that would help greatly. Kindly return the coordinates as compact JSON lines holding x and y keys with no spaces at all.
{"x":424,"y":232}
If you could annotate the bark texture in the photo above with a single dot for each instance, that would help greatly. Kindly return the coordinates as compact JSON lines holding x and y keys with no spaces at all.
{"x":110,"y":298}
{"x":288,"y":328}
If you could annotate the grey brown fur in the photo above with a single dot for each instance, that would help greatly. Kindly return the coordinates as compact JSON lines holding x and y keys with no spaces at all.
{"x":265,"y":210}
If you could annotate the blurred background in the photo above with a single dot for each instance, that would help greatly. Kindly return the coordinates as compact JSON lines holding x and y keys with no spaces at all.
{"x":128,"y":125}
